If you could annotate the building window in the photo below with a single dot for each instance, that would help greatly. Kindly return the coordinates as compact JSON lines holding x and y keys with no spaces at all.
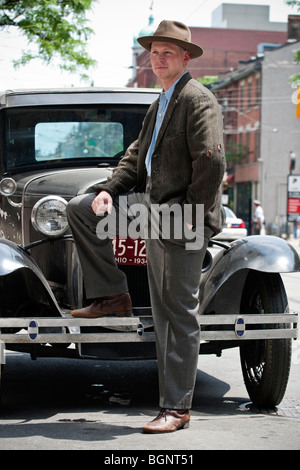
{"x":257,"y":144}
{"x":241,"y":104}
{"x":248,"y":146}
{"x":258,"y":88}
{"x":249,"y":104}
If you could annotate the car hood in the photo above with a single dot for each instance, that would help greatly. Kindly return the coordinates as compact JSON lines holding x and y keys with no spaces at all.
{"x":65,"y":183}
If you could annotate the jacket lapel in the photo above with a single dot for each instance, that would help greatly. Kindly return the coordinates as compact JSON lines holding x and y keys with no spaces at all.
{"x":182,"y":82}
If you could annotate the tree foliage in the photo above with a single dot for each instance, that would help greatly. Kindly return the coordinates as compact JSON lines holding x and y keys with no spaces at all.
{"x":57,"y":29}
{"x":235,"y":152}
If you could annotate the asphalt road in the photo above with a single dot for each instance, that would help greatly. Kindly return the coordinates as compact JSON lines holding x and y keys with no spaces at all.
{"x":63,"y":404}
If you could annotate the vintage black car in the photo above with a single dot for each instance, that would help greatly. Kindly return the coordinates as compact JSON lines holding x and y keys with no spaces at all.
{"x":56,"y":144}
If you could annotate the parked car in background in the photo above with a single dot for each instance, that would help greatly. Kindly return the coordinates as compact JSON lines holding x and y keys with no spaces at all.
{"x":233,"y":229}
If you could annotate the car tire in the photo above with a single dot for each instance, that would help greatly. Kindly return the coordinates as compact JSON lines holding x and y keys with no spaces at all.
{"x":265,"y":363}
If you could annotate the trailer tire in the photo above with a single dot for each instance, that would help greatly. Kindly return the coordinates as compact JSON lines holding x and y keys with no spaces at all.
{"x":265,"y":363}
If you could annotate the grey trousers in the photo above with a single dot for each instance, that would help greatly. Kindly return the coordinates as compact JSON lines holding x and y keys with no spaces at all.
{"x":174,"y":279}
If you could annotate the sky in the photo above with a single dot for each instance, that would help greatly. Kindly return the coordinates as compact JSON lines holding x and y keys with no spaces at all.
{"x":115,"y":24}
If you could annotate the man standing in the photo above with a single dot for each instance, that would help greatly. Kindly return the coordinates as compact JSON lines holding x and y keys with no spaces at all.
{"x":258,"y":218}
{"x":178,"y":159}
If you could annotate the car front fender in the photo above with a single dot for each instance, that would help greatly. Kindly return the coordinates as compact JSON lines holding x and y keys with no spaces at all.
{"x":24,"y":290}
{"x":226,"y":278}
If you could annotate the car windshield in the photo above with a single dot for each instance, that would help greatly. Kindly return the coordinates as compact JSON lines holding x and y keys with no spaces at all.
{"x":229,"y":213}
{"x":57,"y":136}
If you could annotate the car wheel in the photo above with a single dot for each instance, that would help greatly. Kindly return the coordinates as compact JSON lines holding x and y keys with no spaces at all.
{"x":265,"y":363}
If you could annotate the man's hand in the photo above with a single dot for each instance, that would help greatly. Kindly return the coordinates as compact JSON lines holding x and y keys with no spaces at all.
{"x":102,"y":203}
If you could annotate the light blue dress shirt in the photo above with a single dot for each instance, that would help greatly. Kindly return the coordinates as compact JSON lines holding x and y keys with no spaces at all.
{"x":164,"y":100}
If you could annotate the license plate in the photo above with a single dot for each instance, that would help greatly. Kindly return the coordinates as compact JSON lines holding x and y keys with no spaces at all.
{"x":130,"y":251}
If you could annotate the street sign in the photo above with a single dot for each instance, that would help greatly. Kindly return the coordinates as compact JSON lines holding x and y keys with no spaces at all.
{"x":294,"y":205}
{"x":293,"y":202}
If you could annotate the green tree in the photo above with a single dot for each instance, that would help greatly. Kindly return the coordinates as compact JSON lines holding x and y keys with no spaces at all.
{"x":57,"y":28}
{"x":296,"y":77}
{"x":235,"y":153}
{"x":208,"y":79}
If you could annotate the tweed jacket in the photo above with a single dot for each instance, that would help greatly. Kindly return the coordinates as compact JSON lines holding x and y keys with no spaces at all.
{"x":188,"y":161}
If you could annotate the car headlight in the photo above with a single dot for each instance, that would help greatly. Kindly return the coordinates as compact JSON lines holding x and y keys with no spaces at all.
{"x":49,"y":216}
{"x":8,"y":186}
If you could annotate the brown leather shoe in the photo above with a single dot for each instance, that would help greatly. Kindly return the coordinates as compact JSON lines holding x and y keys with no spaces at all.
{"x":118,"y":305}
{"x":168,"y":421}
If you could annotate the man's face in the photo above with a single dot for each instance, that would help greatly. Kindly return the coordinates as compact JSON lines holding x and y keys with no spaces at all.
{"x":168,"y":61}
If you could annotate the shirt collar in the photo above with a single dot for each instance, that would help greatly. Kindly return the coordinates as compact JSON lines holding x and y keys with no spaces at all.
{"x":170,"y":90}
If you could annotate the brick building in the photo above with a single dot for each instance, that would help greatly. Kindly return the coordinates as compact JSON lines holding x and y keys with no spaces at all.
{"x":223,"y":46}
{"x":223,"y":49}
{"x":240,"y":96}
{"x":260,"y":131}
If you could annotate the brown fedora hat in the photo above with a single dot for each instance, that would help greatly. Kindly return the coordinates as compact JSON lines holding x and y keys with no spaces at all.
{"x":175,"y":32}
